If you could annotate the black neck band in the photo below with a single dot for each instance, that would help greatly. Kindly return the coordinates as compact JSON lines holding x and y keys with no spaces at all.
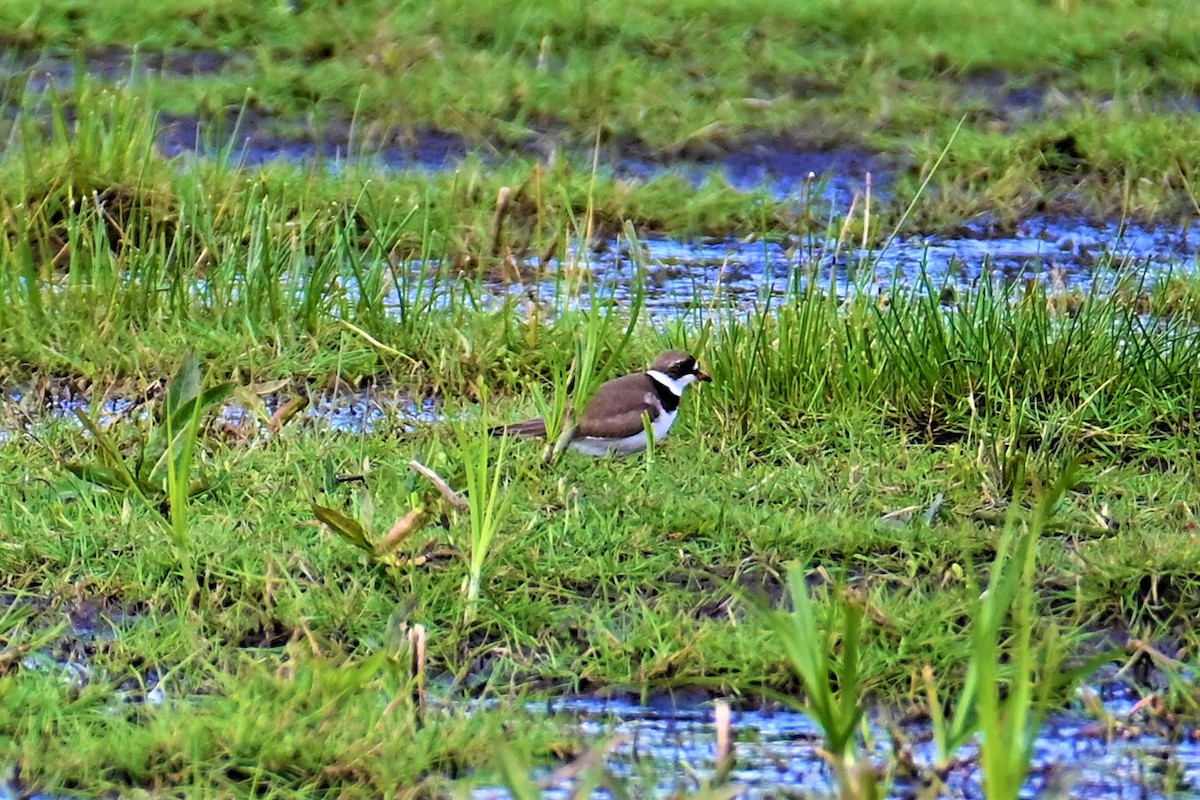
{"x":668,"y":398}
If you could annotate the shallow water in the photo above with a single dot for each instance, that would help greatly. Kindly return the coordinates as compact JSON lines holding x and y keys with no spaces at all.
{"x":1069,"y":254}
{"x":345,"y":411}
{"x":667,"y":748}
{"x":685,"y":277}
{"x":667,"y":744}
{"x":251,"y":138}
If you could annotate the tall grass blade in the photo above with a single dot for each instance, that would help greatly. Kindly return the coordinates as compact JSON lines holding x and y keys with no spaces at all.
{"x":833,"y":687}
{"x":489,"y":498}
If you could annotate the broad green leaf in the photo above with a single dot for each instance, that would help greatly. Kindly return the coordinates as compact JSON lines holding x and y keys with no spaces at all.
{"x":184,"y":387}
{"x":111,"y":457}
{"x":106,"y":477}
{"x":345,"y":526}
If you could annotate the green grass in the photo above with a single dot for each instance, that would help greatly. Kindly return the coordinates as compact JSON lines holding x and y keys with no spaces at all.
{"x":255,"y":270}
{"x":261,"y":272}
{"x":602,"y":573}
{"x":1068,"y":106}
{"x":888,"y":438}
{"x":322,"y":723}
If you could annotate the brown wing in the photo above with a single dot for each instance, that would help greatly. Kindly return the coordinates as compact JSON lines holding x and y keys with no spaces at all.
{"x":616,"y":409}
{"x":534,"y":427}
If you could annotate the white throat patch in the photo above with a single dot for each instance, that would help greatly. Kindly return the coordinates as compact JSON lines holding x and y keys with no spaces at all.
{"x":676,"y":386}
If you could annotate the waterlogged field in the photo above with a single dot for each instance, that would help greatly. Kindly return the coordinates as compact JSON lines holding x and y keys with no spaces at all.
{"x":941,"y":493}
{"x":1061,"y":106}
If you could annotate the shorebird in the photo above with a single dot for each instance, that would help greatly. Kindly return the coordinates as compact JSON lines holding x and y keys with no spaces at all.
{"x":612,"y":423}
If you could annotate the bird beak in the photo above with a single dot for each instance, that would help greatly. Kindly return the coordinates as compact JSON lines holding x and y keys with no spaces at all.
{"x":701,"y":375}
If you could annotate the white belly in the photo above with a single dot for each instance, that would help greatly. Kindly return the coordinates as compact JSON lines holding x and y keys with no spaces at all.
{"x":595,"y":446}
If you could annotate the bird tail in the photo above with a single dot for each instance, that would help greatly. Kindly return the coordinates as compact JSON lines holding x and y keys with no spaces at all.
{"x":534,"y":428}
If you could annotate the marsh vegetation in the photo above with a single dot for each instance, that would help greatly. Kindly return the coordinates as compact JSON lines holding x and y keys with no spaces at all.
{"x":952,"y":496}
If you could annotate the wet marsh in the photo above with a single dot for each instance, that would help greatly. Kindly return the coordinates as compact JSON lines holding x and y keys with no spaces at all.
{"x":974,"y":369}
